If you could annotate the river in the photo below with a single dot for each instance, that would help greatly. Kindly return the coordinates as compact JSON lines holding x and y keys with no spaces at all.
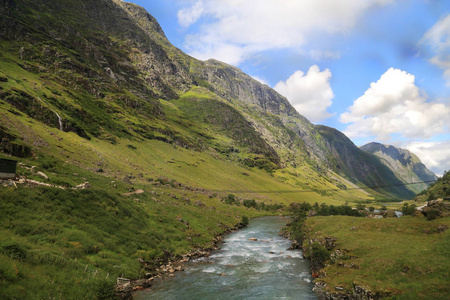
{"x":242,"y":269}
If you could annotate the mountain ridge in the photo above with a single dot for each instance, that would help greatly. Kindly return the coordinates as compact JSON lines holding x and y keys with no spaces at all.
{"x":107,"y":70}
{"x":404,"y":163}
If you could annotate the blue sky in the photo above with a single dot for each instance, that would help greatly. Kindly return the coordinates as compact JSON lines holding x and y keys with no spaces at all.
{"x":377,"y":70}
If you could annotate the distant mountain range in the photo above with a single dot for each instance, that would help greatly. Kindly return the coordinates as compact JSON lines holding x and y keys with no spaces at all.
{"x":103,"y":74}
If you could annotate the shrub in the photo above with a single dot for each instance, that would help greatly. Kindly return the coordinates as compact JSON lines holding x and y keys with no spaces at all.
{"x":319,"y":253}
{"x":230,"y":199}
{"x":250,"y":203}
{"x":433,"y":214}
{"x":244,"y":220}
{"x":408,"y":209}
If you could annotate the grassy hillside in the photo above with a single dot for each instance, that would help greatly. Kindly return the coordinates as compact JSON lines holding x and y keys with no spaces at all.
{"x":437,"y":190}
{"x":404,"y":258}
{"x":68,"y":244}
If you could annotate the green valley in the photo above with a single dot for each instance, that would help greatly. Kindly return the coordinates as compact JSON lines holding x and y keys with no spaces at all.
{"x":132,"y":154}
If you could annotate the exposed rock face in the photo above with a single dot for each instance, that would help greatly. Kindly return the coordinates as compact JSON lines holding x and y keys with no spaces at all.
{"x":259,"y":100}
{"x":405,"y":165}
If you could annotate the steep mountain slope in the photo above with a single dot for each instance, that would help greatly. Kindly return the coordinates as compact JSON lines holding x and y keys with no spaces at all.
{"x":105,"y":71}
{"x":405,"y":165}
{"x":363,"y":166}
{"x":437,"y":190}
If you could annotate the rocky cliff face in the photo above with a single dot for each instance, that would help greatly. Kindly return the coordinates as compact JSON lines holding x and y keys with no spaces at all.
{"x":404,"y":164}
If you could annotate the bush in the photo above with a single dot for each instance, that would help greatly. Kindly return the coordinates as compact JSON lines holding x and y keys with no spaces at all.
{"x":230,"y":199}
{"x":244,"y":220}
{"x":319,"y":253}
{"x":433,"y":214}
{"x":408,"y":209}
{"x":249,"y":203}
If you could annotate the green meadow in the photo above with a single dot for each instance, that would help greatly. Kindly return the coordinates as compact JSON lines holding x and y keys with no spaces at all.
{"x":404,"y":258}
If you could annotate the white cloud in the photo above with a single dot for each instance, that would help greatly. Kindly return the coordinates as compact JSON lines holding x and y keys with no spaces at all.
{"x":249,"y":26}
{"x":394,"y":107}
{"x":188,"y":16}
{"x":309,"y":93}
{"x":435,"y":155}
{"x":438,"y":39}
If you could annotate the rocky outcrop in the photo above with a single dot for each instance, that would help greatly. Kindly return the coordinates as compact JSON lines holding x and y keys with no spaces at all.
{"x":9,"y":144}
{"x":436,"y":209}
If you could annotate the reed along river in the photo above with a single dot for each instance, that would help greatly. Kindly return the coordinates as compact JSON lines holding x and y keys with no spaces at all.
{"x":242,"y":269}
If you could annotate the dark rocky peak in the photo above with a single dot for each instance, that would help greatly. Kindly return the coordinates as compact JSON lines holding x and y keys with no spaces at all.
{"x":404,"y":156}
{"x":405,"y":164}
{"x":144,"y":19}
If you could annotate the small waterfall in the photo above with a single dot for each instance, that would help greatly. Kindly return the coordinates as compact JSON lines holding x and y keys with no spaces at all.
{"x":59,"y":117}
{"x":59,"y":120}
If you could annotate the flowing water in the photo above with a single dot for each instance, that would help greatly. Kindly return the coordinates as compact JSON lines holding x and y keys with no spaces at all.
{"x":242,"y":269}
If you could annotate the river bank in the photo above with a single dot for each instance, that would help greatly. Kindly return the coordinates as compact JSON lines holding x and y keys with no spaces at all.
{"x":166,"y":266}
{"x":363,"y":258}
{"x":252,"y":262}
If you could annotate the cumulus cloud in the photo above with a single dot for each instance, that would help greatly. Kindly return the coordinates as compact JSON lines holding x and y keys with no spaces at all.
{"x":249,"y":26}
{"x":394,"y":107}
{"x":435,"y":155}
{"x":188,"y":16}
{"x":309,"y":93}
{"x":438,"y":39}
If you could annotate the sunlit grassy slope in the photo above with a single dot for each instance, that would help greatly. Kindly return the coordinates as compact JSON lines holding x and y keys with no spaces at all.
{"x":207,"y":163}
{"x":407,"y":257}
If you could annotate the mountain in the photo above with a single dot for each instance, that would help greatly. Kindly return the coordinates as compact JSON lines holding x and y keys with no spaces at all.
{"x":104,"y":71}
{"x":405,"y":165}
{"x":362,"y":166}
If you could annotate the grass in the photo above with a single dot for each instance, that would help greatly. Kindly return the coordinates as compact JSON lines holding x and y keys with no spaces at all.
{"x":393,"y":255}
{"x":73,"y":244}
